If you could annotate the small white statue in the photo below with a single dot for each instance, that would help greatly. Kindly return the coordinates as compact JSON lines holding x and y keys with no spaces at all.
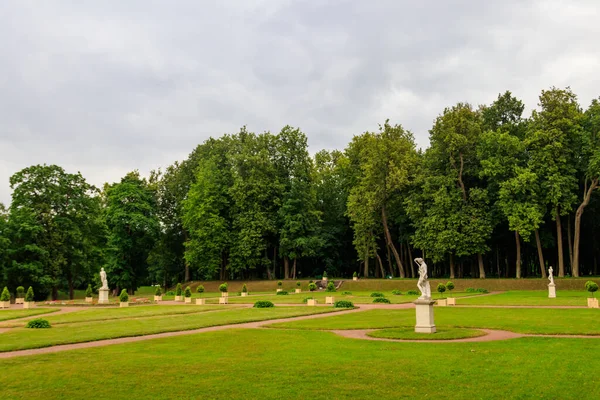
{"x":103,"y":279}
{"x":423,"y":283}
{"x":550,"y":276}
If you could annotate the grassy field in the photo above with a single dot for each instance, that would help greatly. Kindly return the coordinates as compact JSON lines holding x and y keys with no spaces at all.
{"x":273,"y":364}
{"x":23,"y":338}
{"x":441,"y":334}
{"x":530,"y":298}
{"x":536,"y":321}
{"x":9,"y":314}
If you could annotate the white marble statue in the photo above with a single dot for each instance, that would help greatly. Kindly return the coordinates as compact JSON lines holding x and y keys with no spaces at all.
{"x":423,"y":283}
{"x":103,"y":279}
{"x":550,"y":276}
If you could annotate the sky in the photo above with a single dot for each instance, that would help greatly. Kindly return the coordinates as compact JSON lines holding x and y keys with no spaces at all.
{"x":106,"y":87}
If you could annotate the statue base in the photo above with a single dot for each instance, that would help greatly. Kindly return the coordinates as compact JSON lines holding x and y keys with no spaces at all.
{"x":102,"y":296}
{"x":424,"y":311}
{"x":551,"y":291}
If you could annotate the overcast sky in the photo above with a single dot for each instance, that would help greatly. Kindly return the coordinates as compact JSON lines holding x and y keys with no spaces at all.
{"x":105,"y":87}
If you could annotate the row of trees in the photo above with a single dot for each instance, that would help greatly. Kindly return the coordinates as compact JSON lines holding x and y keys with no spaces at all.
{"x":495,"y":194}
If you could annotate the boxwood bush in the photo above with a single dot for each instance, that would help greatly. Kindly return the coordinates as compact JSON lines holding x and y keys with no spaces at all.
{"x":88,"y":291}
{"x":343,"y":304}
{"x":188,"y":291}
{"x":441,"y":288}
{"x":396,"y":292}
{"x":450,"y":286}
{"x":158,"y":292}
{"x":20,"y":292}
{"x":223,"y":287}
{"x":178,"y":290}
{"x":481,"y":290}
{"x":263,"y":304}
{"x":5,"y":296}
{"x":298,"y":284}
{"x":354,"y":275}
{"x":330,"y":287}
{"x":377,"y":294}
{"x":282,"y":293}
{"x":312,"y":286}
{"x":244,"y":288}
{"x":29,"y":295}
{"x":124,"y":297}
{"x":381,"y":300}
{"x":200,"y":289}
{"x":471,"y":290}
{"x":346,"y":293}
{"x":38,"y":323}
{"x":279,"y":283}
{"x":412,"y":292}
{"x":591,"y":287}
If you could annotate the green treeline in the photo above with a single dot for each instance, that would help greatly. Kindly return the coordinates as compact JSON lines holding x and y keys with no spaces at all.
{"x":497,"y":194}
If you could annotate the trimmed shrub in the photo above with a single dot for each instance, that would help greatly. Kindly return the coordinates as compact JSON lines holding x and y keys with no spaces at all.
{"x":38,"y":323}
{"x":29,"y":295}
{"x":396,"y":292}
{"x":178,"y":289}
{"x":306,"y":299}
{"x":481,"y":290}
{"x":263,"y":304}
{"x":282,"y":293}
{"x":223,"y":287}
{"x":5,"y":296}
{"x":158,"y":292}
{"x":298,"y":284}
{"x":312,"y":286}
{"x":471,"y":290}
{"x":354,"y":275}
{"x":346,"y":293}
{"x":20,"y":292}
{"x":450,"y":285}
{"x":331,"y":287}
{"x":279,"y":283}
{"x":124,"y":297}
{"x":441,"y":288}
{"x":324,"y":274}
{"x":188,"y":291}
{"x":381,"y":300}
{"x":591,"y":287}
{"x":377,"y":294}
{"x":88,"y":291}
{"x":244,"y":288}
{"x":412,"y":292}
{"x":170,"y":293}
{"x":343,"y":304}
{"x":200,"y":289}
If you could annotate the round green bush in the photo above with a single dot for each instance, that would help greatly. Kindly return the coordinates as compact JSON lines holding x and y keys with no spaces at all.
{"x":124,"y":297}
{"x":343,"y":304}
{"x":282,"y":293}
{"x":377,"y":294}
{"x":481,"y":290}
{"x":29,"y":296}
{"x":381,"y":300}
{"x":312,"y":286}
{"x":20,"y":292}
{"x":244,"y":288}
{"x":412,"y":292}
{"x":450,"y":285}
{"x":298,"y":284}
{"x":330,"y":287}
{"x":263,"y":304}
{"x":38,"y":323}
{"x":346,"y":293}
{"x":591,"y":287}
{"x":178,"y":290}
{"x":470,"y":290}
{"x":354,"y":275}
{"x":223,"y":287}
{"x":324,"y":274}
{"x":200,"y":289}
{"x":279,"y":283}
{"x":88,"y":291}
{"x":441,"y":288}
{"x":5,"y":296}
{"x":188,"y":291}
{"x":396,"y":292}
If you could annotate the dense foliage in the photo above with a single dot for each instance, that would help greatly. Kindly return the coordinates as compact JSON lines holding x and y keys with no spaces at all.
{"x":343,"y":304}
{"x":263,"y":304}
{"x":381,"y":300}
{"x":124,"y":297}
{"x":29,"y":295}
{"x":38,"y":323}
{"x":88,"y":291}
{"x":496,"y":194}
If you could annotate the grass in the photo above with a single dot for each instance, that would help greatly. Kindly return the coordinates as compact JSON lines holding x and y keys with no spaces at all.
{"x":441,"y":334}
{"x":23,"y":338}
{"x":530,"y":298}
{"x":105,"y":314}
{"x":272,"y":364}
{"x":6,"y":315}
{"x":535,"y":321}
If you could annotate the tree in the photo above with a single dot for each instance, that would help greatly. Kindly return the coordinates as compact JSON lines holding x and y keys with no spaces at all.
{"x":133,"y":229}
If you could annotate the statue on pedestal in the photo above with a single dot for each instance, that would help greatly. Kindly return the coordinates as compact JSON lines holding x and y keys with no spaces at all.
{"x":103,"y":279}
{"x":550,"y":276}
{"x":423,"y":283}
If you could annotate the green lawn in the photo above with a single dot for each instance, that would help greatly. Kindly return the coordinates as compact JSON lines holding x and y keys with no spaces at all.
{"x":530,"y":298}
{"x":23,"y":338}
{"x":274,"y":364}
{"x":441,"y":334}
{"x":525,"y":320}
{"x":103,"y":314}
{"x":14,"y":314}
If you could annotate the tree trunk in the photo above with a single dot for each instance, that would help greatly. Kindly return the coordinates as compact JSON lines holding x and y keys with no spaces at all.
{"x":71,"y":289}
{"x":294,"y":269}
{"x":540,"y":253}
{"x":388,"y":237}
{"x":366,"y":273}
{"x":380,"y":265}
{"x":186,"y":274}
{"x":578,"y":214}
{"x":410,"y":261}
{"x":561,"y":262}
{"x":481,"y":268}
{"x":389,"y":259}
{"x":570,"y":241}
{"x":451,"y":266}
{"x":286,"y":267}
{"x":518,"y":262}
{"x":498,"y":261}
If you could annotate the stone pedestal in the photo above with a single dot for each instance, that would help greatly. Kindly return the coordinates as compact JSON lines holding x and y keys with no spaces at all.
{"x":298,"y":290}
{"x":20,"y":300}
{"x":102,"y":296}
{"x":329,"y":300}
{"x":4,"y":304}
{"x":324,"y":279}
{"x":188,"y":300}
{"x":424,"y":311}
{"x":89,"y":299}
{"x":279,"y":290}
{"x":442,"y":302}
{"x":223,"y":300}
{"x":28,"y":304}
{"x":311,"y":302}
{"x":551,"y":291}
{"x":354,"y":278}
{"x":451,"y":301}
{"x":200,"y":302}
{"x":124,"y":304}
{"x":244,"y":294}
{"x":178,"y":298}
{"x":592,"y":302}
{"x":157,"y":298}
{"x":224,"y":294}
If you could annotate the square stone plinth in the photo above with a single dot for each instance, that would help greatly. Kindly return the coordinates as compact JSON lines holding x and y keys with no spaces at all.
{"x":298,"y":290}
{"x":244,"y":294}
{"x":311,"y":302}
{"x":551,"y":291}
{"x":424,"y":313}
{"x":329,"y":300}
{"x":28,"y":304}
{"x":223,"y":300}
{"x":442,"y":302}
{"x":200,"y":302}
{"x":188,"y":300}
{"x":124,"y":304}
{"x":592,"y":302}
{"x":102,"y":296}
{"x":157,"y":298}
{"x":354,"y":278}
{"x":224,"y":294}
{"x":451,"y":301}
{"x":178,"y":298}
